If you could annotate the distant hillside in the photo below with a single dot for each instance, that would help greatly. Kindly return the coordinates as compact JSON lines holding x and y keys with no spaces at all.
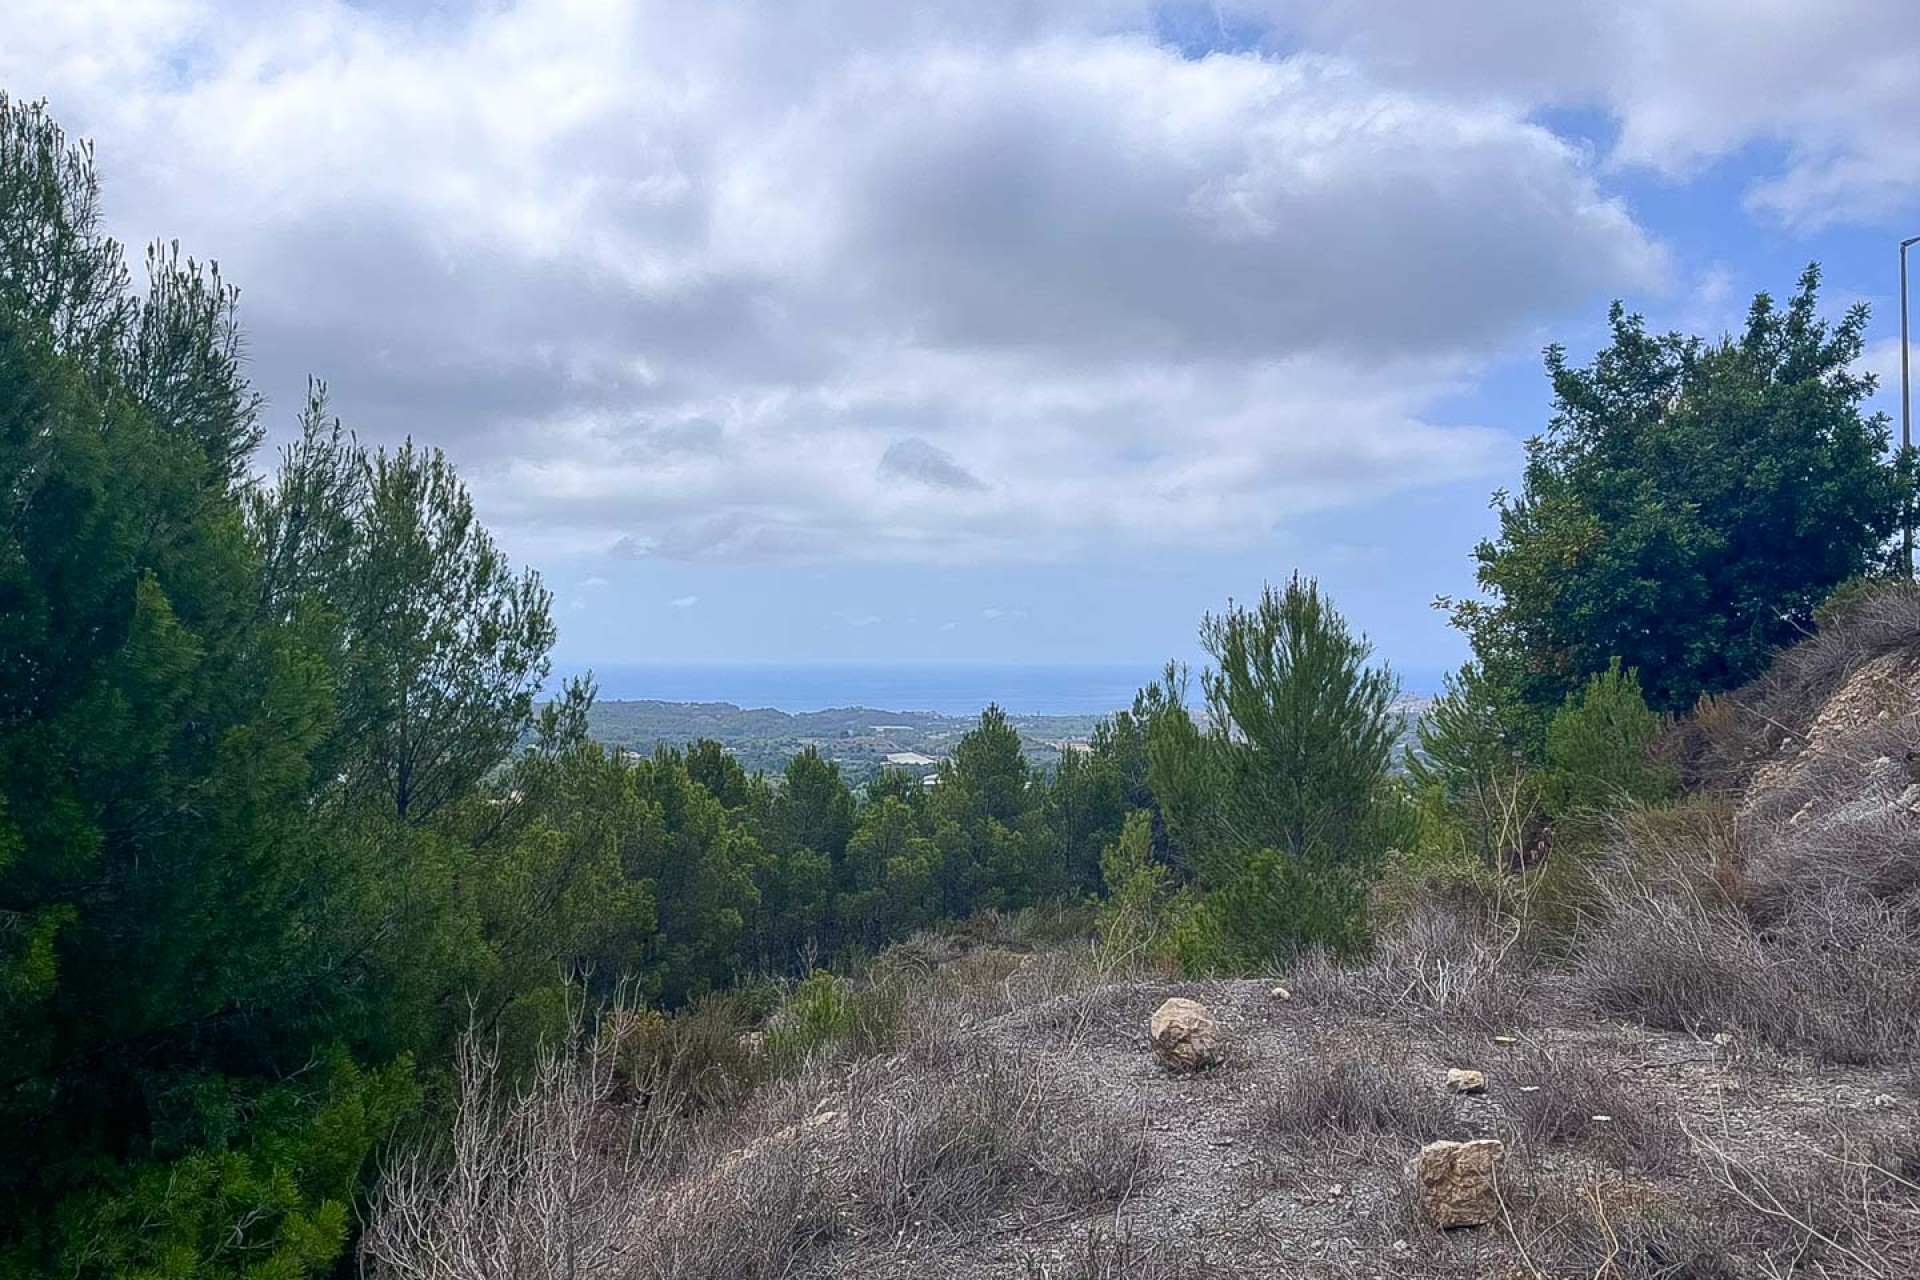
{"x":859,"y":738}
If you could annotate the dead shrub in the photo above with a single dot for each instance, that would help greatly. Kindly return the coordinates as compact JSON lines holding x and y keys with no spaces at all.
{"x":1671,"y":962}
{"x":1346,"y":1092}
{"x":954,"y":1140}
{"x":759,"y":1217}
{"x":1840,"y":819}
{"x":1833,"y":978}
{"x":1561,"y":1095}
{"x":1846,"y":980}
{"x":535,"y":1181}
{"x":698,"y":1059}
{"x":1441,"y":962}
{"x":1848,"y":1208}
{"x":1612,"y":1229}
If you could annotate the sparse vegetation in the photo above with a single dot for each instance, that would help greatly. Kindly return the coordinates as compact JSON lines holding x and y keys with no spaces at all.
{"x":1365,"y":1090}
{"x":1560,"y":1094}
{"x":573,"y":1176}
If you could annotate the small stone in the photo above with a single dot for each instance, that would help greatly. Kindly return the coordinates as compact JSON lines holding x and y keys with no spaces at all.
{"x":1885,"y":1101}
{"x":1459,"y":1182}
{"x":1184,"y":1035}
{"x":1506,"y":1039}
{"x":1464,"y":1080}
{"x":1529,"y":1088}
{"x":1603,"y":1119}
{"x":1281,"y":993}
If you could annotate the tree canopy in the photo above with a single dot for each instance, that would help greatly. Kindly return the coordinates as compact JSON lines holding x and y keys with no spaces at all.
{"x":1688,"y":506}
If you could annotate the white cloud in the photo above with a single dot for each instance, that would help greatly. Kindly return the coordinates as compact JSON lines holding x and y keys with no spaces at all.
{"x":685,"y":602}
{"x":593,"y":583}
{"x":1827,"y":88}
{"x":959,"y":283}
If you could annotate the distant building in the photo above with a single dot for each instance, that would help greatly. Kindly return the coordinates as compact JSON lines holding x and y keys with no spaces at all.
{"x":890,"y":728}
{"x":909,"y":759}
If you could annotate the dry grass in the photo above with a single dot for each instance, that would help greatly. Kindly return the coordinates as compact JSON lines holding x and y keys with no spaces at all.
{"x":1104,"y":1255}
{"x":1560,"y":1096}
{"x":1835,"y":977}
{"x":1610,"y":1228}
{"x":1848,"y":1208}
{"x":581,"y":1175}
{"x":949,"y":1142}
{"x":1443,"y":962}
{"x":1370,"y":1090}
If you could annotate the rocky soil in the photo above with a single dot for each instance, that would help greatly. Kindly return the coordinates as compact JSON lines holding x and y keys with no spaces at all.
{"x":1689,"y":1125}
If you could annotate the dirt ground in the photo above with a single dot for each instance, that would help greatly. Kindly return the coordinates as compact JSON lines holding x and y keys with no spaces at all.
{"x":1221,"y":1193}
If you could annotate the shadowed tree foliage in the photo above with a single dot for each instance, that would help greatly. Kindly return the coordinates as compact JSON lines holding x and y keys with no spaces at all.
{"x":261,"y":836}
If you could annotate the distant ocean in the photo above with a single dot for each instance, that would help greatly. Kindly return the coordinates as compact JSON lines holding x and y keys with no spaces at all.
{"x":1040,"y":690}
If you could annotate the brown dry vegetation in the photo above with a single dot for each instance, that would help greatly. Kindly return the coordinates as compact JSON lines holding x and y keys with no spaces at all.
{"x":1709,"y":1073}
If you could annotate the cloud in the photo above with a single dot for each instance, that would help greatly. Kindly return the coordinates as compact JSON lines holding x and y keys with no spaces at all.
{"x":684,"y":602}
{"x":666,"y":282}
{"x":594,"y":583}
{"x":1825,"y":88}
{"x":915,"y":459}
{"x":856,"y":619}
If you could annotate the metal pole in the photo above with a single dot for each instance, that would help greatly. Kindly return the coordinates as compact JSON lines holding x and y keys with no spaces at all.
{"x":1906,"y":405}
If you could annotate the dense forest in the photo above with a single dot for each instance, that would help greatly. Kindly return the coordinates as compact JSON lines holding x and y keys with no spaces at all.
{"x":287,"y":805}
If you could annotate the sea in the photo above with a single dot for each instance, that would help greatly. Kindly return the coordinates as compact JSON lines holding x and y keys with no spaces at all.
{"x":1051,"y":689}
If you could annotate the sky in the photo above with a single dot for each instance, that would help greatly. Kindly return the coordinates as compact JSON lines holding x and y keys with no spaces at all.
{"x":977,"y":331}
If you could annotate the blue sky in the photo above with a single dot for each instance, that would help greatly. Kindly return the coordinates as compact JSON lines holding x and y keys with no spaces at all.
{"x":980,"y":330}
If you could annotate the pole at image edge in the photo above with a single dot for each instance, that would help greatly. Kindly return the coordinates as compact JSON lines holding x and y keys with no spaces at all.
{"x":1906,"y":408}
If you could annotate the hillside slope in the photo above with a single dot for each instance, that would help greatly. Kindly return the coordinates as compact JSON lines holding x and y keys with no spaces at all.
{"x":1711,"y":1072}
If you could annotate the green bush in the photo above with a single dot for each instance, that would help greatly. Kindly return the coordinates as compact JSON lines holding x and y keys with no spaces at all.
{"x":1286,"y":804}
{"x":1477,"y":797}
{"x":1143,"y":906}
{"x":1599,"y":751}
{"x":826,"y":1011}
{"x":1276,"y":909}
